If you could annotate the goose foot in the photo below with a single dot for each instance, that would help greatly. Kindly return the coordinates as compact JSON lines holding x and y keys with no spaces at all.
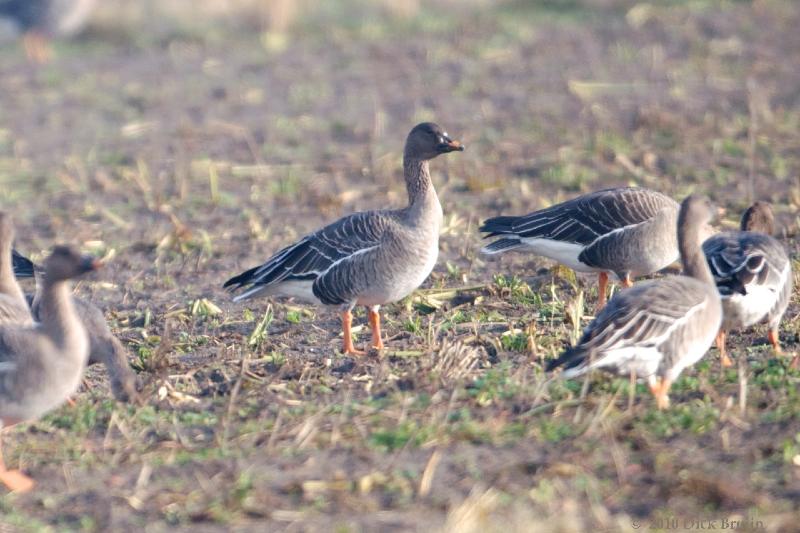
{"x":16,"y":481}
{"x":660,"y":389}
{"x":724,"y":360}
{"x":37,"y":48}
{"x":375,"y":325}
{"x":347,"y":325}
{"x":775,"y":341}
{"x":627,"y":282}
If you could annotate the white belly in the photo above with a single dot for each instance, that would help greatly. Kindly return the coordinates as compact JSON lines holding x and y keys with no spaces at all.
{"x":565,"y":253}
{"x":744,"y":310}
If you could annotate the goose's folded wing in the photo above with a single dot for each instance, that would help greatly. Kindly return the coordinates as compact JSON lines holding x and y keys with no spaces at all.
{"x":740,"y":259}
{"x":586,"y":218}
{"x":643,"y":318}
{"x":316,"y":254}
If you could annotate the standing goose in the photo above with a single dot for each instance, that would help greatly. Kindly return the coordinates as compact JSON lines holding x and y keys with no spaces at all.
{"x":753,"y":276}
{"x":13,"y":306}
{"x":41,"y":364}
{"x":657,"y":328}
{"x":40,"y":20}
{"x":104,"y":347}
{"x":369,"y":258}
{"x":627,"y":231}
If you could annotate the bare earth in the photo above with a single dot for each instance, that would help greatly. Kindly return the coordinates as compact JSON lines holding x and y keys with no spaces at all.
{"x":187,"y":154}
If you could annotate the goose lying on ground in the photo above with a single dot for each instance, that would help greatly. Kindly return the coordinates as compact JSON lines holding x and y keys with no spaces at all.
{"x":370,"y":258}
{"x":657,"y":328}
{"x":41,"y":20}
{"x":104,"y":347}
{"x":753,"y":275}
{"x":41,"y":364}
{"x":13,"y":306}
{"x":628,"y":231}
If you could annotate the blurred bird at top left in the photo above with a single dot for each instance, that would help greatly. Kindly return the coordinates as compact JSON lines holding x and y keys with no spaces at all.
{"x":41,"y":20}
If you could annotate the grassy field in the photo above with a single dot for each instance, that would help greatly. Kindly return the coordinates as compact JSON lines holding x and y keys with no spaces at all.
{"x":186,"y":144}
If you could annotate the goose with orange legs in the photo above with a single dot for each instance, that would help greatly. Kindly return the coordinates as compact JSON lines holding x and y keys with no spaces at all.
{"x":753,"y":274}
{"x":627,"y":232}
{"x":369,"y":258}
{"x":41,"y":365}
{"x":658,"y":328}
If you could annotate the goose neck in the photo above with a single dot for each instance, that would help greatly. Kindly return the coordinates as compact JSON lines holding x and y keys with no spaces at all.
{"x":692,"y":256}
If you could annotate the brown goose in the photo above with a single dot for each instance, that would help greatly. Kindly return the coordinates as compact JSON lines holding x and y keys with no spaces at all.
{"x":626,"y":231}
{"x":13,"y":306}
{"x":657,"y":328}
{"x":104,"y":347}
{"x":41,"y":364}
{"x":370,"y":258}
{"x":753,"y":275}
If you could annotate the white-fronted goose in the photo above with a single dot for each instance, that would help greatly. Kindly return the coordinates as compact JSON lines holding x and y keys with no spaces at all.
{"x":13,"y":306}
{"x":104,"y":347}
{"x":753,"y":275}
{"x":626,"y":231}
{"x":41,"y":20}
{"x":370,"y":258}
{"x":41,"y":364}
{"x":657,"y":328}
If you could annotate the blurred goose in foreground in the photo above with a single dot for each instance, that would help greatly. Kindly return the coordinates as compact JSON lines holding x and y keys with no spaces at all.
{"x":657,"y":328}
{"x":104,"y":347}
{"x":753,"y":275}
{"x":41,"y":364}
{"x":627,"y":231}
{"x":369,"y":258}
{"x":13,"y":306}
{"x":41,"y":20}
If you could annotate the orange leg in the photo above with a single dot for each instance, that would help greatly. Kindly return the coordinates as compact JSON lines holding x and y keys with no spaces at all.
{"x":660,"y":389}
{"x":347,"y":324}
{"x":775,"y":341}
{"x":15,"y":480}
{"x":723,"y":353}
{"x":602,"y":286}
{"x":626,"y":281}
{"x":375,"y":324}
{"x":37,"y":47}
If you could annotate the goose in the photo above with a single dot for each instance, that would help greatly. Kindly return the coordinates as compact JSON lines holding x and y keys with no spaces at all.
{"x":41,"y":364}
{"x":40,"y":20}
{"x":369,"y":258}
{"x":657,"y":328}
{"x":627,"y":231}
{"x":13,"y":307}
{"x":753,"y":276}
{"x":104,"y":347}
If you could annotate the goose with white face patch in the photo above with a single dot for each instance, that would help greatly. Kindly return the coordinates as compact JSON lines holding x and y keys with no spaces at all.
{"x":657,"y":328}
{"x":753,"y":275}
{"x":627,"y":231}
{"x":370,"y":258}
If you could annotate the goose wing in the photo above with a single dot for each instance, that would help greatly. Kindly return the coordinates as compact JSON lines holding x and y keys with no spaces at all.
{"x":646,"y":320}
{"x":335,"y":247}
{"x":581,"y":220}
{"x":23,"y":267}
{"x":742,"y":259}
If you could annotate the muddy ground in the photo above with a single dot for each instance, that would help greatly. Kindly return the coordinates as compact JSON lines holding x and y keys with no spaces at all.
{"x":185,"y":151}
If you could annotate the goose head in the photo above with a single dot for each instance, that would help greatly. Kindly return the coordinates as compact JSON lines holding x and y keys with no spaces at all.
{"x":759,"y":218}
{"x":428,"y":140}
{"x":66,"y":262}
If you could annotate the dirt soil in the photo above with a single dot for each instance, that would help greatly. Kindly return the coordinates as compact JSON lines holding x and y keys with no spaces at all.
{"x":186,"y":154}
